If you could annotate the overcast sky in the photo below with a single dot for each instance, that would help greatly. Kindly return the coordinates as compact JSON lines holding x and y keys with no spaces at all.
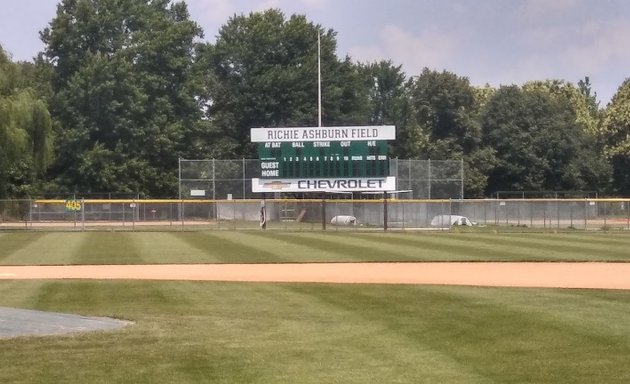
{"x":489,"y":41}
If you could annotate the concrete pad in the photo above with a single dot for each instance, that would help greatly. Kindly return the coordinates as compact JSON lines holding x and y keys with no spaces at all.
{"x":24,"y":322}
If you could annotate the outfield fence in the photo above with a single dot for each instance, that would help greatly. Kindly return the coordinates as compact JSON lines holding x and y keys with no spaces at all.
{"x":311,"y":214}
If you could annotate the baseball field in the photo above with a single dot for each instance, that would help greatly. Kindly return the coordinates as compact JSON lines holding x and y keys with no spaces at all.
{"x":269,"y":332}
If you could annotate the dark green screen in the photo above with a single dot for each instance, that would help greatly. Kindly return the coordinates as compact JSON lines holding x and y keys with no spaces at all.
{"x":330,"y":159}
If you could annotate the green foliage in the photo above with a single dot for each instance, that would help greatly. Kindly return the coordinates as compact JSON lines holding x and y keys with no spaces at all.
{"x":130,"y":90}
{"x":539,"y":142}
{"x":579,"y":98}
{"x":616,"y":133}
{"x":124,"y":93}
{"x":262,"y":72}
{"x":447,"y":111}
{"x":25,"y":131}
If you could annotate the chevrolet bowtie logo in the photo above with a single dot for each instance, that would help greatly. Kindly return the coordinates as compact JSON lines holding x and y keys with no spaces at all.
{"x":276,"y":185}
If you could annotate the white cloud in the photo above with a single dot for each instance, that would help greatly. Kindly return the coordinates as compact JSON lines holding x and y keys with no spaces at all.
{"x":314,"y":3}
{"x":537,"y":10}
{"x":600,"y":46}
{"x":267,"y":4}
{"x":431,"y":49}
{"x":211,"y":11}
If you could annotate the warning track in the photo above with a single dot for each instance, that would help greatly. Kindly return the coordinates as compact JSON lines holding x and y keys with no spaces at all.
{"x":546,"y":275}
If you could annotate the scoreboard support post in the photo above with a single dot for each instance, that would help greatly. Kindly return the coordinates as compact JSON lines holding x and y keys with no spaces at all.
{"x":385,"y":215}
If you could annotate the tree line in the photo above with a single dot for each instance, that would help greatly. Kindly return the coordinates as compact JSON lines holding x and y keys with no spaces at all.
{"x":124,"y":88}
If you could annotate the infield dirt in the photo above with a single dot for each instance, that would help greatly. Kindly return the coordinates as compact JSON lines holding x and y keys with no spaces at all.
{"x":506,"y":274}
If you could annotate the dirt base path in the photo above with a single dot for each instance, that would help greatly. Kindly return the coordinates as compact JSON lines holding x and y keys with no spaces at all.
{"x":551,"y":275}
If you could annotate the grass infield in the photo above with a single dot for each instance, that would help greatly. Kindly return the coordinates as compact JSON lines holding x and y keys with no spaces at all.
{"x":194,"y":332}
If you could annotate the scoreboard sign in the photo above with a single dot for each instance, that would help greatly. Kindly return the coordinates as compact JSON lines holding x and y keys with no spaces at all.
{"x":319,"y":159}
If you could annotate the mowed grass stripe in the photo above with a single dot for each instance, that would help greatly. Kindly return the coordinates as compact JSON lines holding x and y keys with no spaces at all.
{"x":163,"y":247}
{"x":291,"y":247}
{"x":357,"y":342}
{"x":124,"y":299}
{"x":109,"y":248}
{"x":589,"y":312}
{"x":560,"y":246}
{"x":45,"y":248}
{"x":230,"y":247}
{"x":190,"y":332}
{"x":498,"y":340}
{"x":295,"y":325}
{"x":446,"y":248}
{"x":13,"y":242}
{"x":346,"y":247}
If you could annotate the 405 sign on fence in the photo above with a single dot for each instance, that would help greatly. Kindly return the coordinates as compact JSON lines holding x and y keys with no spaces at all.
{"x":323,"y":159}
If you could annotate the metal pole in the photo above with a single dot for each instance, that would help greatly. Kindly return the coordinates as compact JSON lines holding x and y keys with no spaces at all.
{"x":30,"y":213}
{"x":243,"y":177}
{"x":319,"y":80}
{"x":179,"y":181}
{"x":385,"y":211}
{"x":74,"y":212}
{"x":429,"y":171}
{"x":461,"y":180}
{"x":133,"y":214}
{"x":323,"y":214}
{"x":585,"y":213}
{"x":82,"y":214}
{"x":214,"y":176}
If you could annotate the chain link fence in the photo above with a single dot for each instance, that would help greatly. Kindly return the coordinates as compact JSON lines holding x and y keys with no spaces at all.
{"x":232,"y":179}
{"x":313,"y":214}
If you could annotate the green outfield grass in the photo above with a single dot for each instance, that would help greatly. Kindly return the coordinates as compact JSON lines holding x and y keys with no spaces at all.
{"x":196,"y":332}
{"x":26,"y":248}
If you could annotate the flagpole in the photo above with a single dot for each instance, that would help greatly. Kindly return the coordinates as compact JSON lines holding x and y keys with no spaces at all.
{"x":319,"y":80}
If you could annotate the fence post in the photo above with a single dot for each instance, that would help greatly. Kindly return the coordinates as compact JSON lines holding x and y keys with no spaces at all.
{"x":30,"y":213}
{"x":324,"y":214}
{"x":214,"y":176}
{"x":243,"y":178}
{"x":134,"y":210}
{"x":82,"y":214}
{"x":385,"y":214}
{"x":181,"y":204}
{"x":461,"y":178}
{"x":558,"y":212}
{"x":429,"y":176}
{"x":585,"y":213}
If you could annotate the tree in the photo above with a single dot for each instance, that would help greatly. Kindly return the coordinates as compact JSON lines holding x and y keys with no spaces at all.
{"x":584,"y":87}
{"x":447,"y":110}
{"x":616,"y":133}
{"x":539,"y":143}
{"x":580,"y":99}
{"x":262,"y":72}
{"x":25,"y":131}
{"x":123,"y":92}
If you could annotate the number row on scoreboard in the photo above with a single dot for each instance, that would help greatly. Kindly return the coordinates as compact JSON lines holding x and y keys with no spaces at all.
{"x":334,"y":158}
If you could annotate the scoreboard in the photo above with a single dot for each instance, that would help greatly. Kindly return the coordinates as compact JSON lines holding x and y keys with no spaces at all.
{"x":323,"y":158}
